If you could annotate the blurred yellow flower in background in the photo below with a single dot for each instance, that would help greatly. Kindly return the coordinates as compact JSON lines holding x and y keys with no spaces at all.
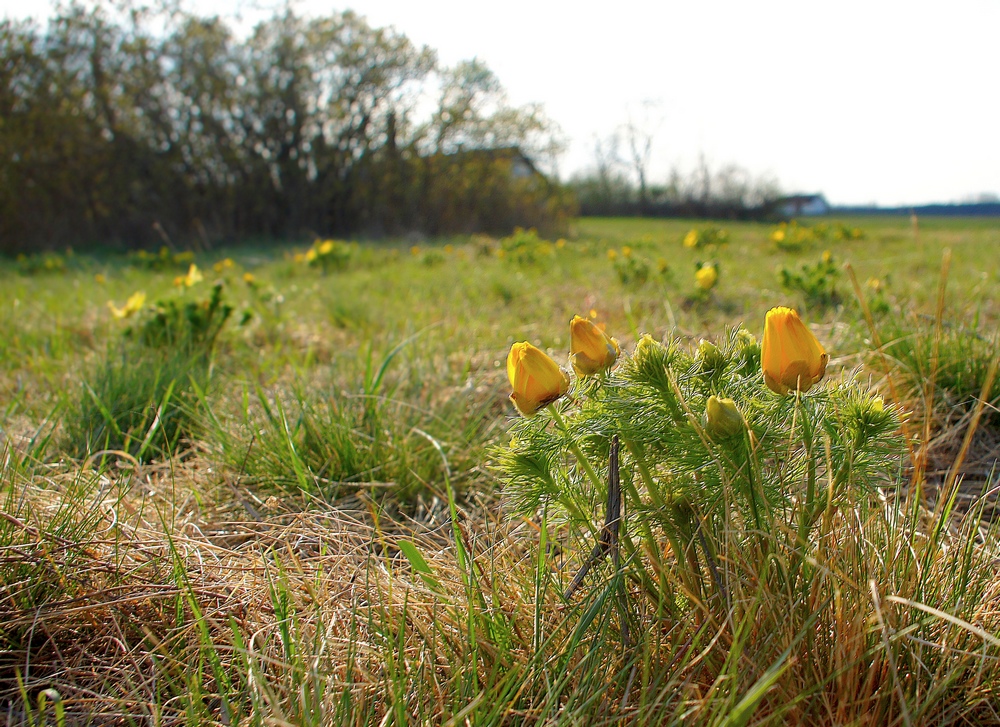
{"x":706,"y":277}
{"x":132,"y":306}
{"x":193,"y":277}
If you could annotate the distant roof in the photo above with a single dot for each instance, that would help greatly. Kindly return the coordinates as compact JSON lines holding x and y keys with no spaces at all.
{"x":509,"y":153}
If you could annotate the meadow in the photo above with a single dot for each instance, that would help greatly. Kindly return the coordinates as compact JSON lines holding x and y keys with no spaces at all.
{"x":284,"y":484}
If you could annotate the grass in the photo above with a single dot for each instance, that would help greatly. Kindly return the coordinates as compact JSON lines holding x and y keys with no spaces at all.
{"x":329,"y":542}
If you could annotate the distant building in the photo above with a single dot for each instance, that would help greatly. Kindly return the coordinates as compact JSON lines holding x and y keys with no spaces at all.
{"x":802,"y":205}
{"x":521,"y":167}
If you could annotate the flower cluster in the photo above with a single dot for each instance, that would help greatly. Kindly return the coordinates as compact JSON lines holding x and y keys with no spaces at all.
{"x":732,"y":442}
{"x":538,"y":381}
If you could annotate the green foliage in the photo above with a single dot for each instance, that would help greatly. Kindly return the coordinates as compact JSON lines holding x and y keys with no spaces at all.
{"x":679,"y":480}
{"x":46,"y":262}
{"x":142,"y":398}
{"x":163,"y":260}
{"x":525,"y":247}
{"x":31,"y":575}
{"x":699,"y":237}
{"x":632,"y":271}
{"x":330,"y":255}
{"x":795,"y":236}
{"x":344,"y":442}
{"x":137,"y":400}
{"x":190,"y":326}
{"x":817,"y":282}
{"x":953,"y":359}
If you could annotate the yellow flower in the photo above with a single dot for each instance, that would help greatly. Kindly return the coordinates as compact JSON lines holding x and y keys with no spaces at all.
{"x":449,"y":249}
{"x":536,"y":379}
{"x":691,"y":239}
{"x":560,"y":243}
{"x":415,"y":250}
{"x":706,"y":277}
{"x":249,"y":279}
{"x":626,"y":251}
{"x":791,"y":357}
{"x":132,"y":306}
{"x":325,"y":247}
{"x":100,"y":279}
{"x":778,"y":235}
{"x":612,"y":254}
{"x":193,"y":276}
{"x":223,"y":265}
{"x":591,"y":350}
{"x":722,"y":418}
{"x":827,"y":256}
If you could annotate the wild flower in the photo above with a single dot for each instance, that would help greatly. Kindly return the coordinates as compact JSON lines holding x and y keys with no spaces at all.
{"x":132,"y":306}
{"x":592,"y":351}
{"x":192,"y":278}
{"x":792,"y":359}
{"x":536,"y":379}
{"x":706,"y":276}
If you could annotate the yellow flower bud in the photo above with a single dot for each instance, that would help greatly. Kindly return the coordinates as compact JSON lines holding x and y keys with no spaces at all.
{"x":710,"y":356}
{"x":791,"y":357}
{"x":536,"y":379}
{"x":722,"y":417}
{"x":591,"y":349}
{"x":691,"y":239}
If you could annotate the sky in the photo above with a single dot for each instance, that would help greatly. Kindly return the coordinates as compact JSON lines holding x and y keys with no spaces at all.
{"x":874,"y":101}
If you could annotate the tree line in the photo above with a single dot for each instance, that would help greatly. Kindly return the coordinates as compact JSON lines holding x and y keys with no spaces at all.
{"x":619,"y":183}
{"x":129,"y":127}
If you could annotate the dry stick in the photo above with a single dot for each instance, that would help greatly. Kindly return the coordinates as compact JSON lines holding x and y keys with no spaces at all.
{"x":251,"y":511}
{"x":608,"y":542}
{"x":608,"y":538}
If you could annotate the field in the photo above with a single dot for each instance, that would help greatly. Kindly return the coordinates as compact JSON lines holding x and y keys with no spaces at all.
{"x":276,"y":484}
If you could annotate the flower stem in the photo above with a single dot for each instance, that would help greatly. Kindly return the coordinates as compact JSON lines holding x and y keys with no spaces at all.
{"x":580,"y":456}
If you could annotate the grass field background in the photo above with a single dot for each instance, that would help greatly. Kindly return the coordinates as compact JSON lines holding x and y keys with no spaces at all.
{"x":289,"y":513}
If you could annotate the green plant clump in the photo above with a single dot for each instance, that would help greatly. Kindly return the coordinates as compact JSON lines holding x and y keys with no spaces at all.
{"x":142,"y":398}
{"x":817,"y":282}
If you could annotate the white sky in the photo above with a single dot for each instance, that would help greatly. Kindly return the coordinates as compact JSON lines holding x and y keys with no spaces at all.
{"x":864,"y":100}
